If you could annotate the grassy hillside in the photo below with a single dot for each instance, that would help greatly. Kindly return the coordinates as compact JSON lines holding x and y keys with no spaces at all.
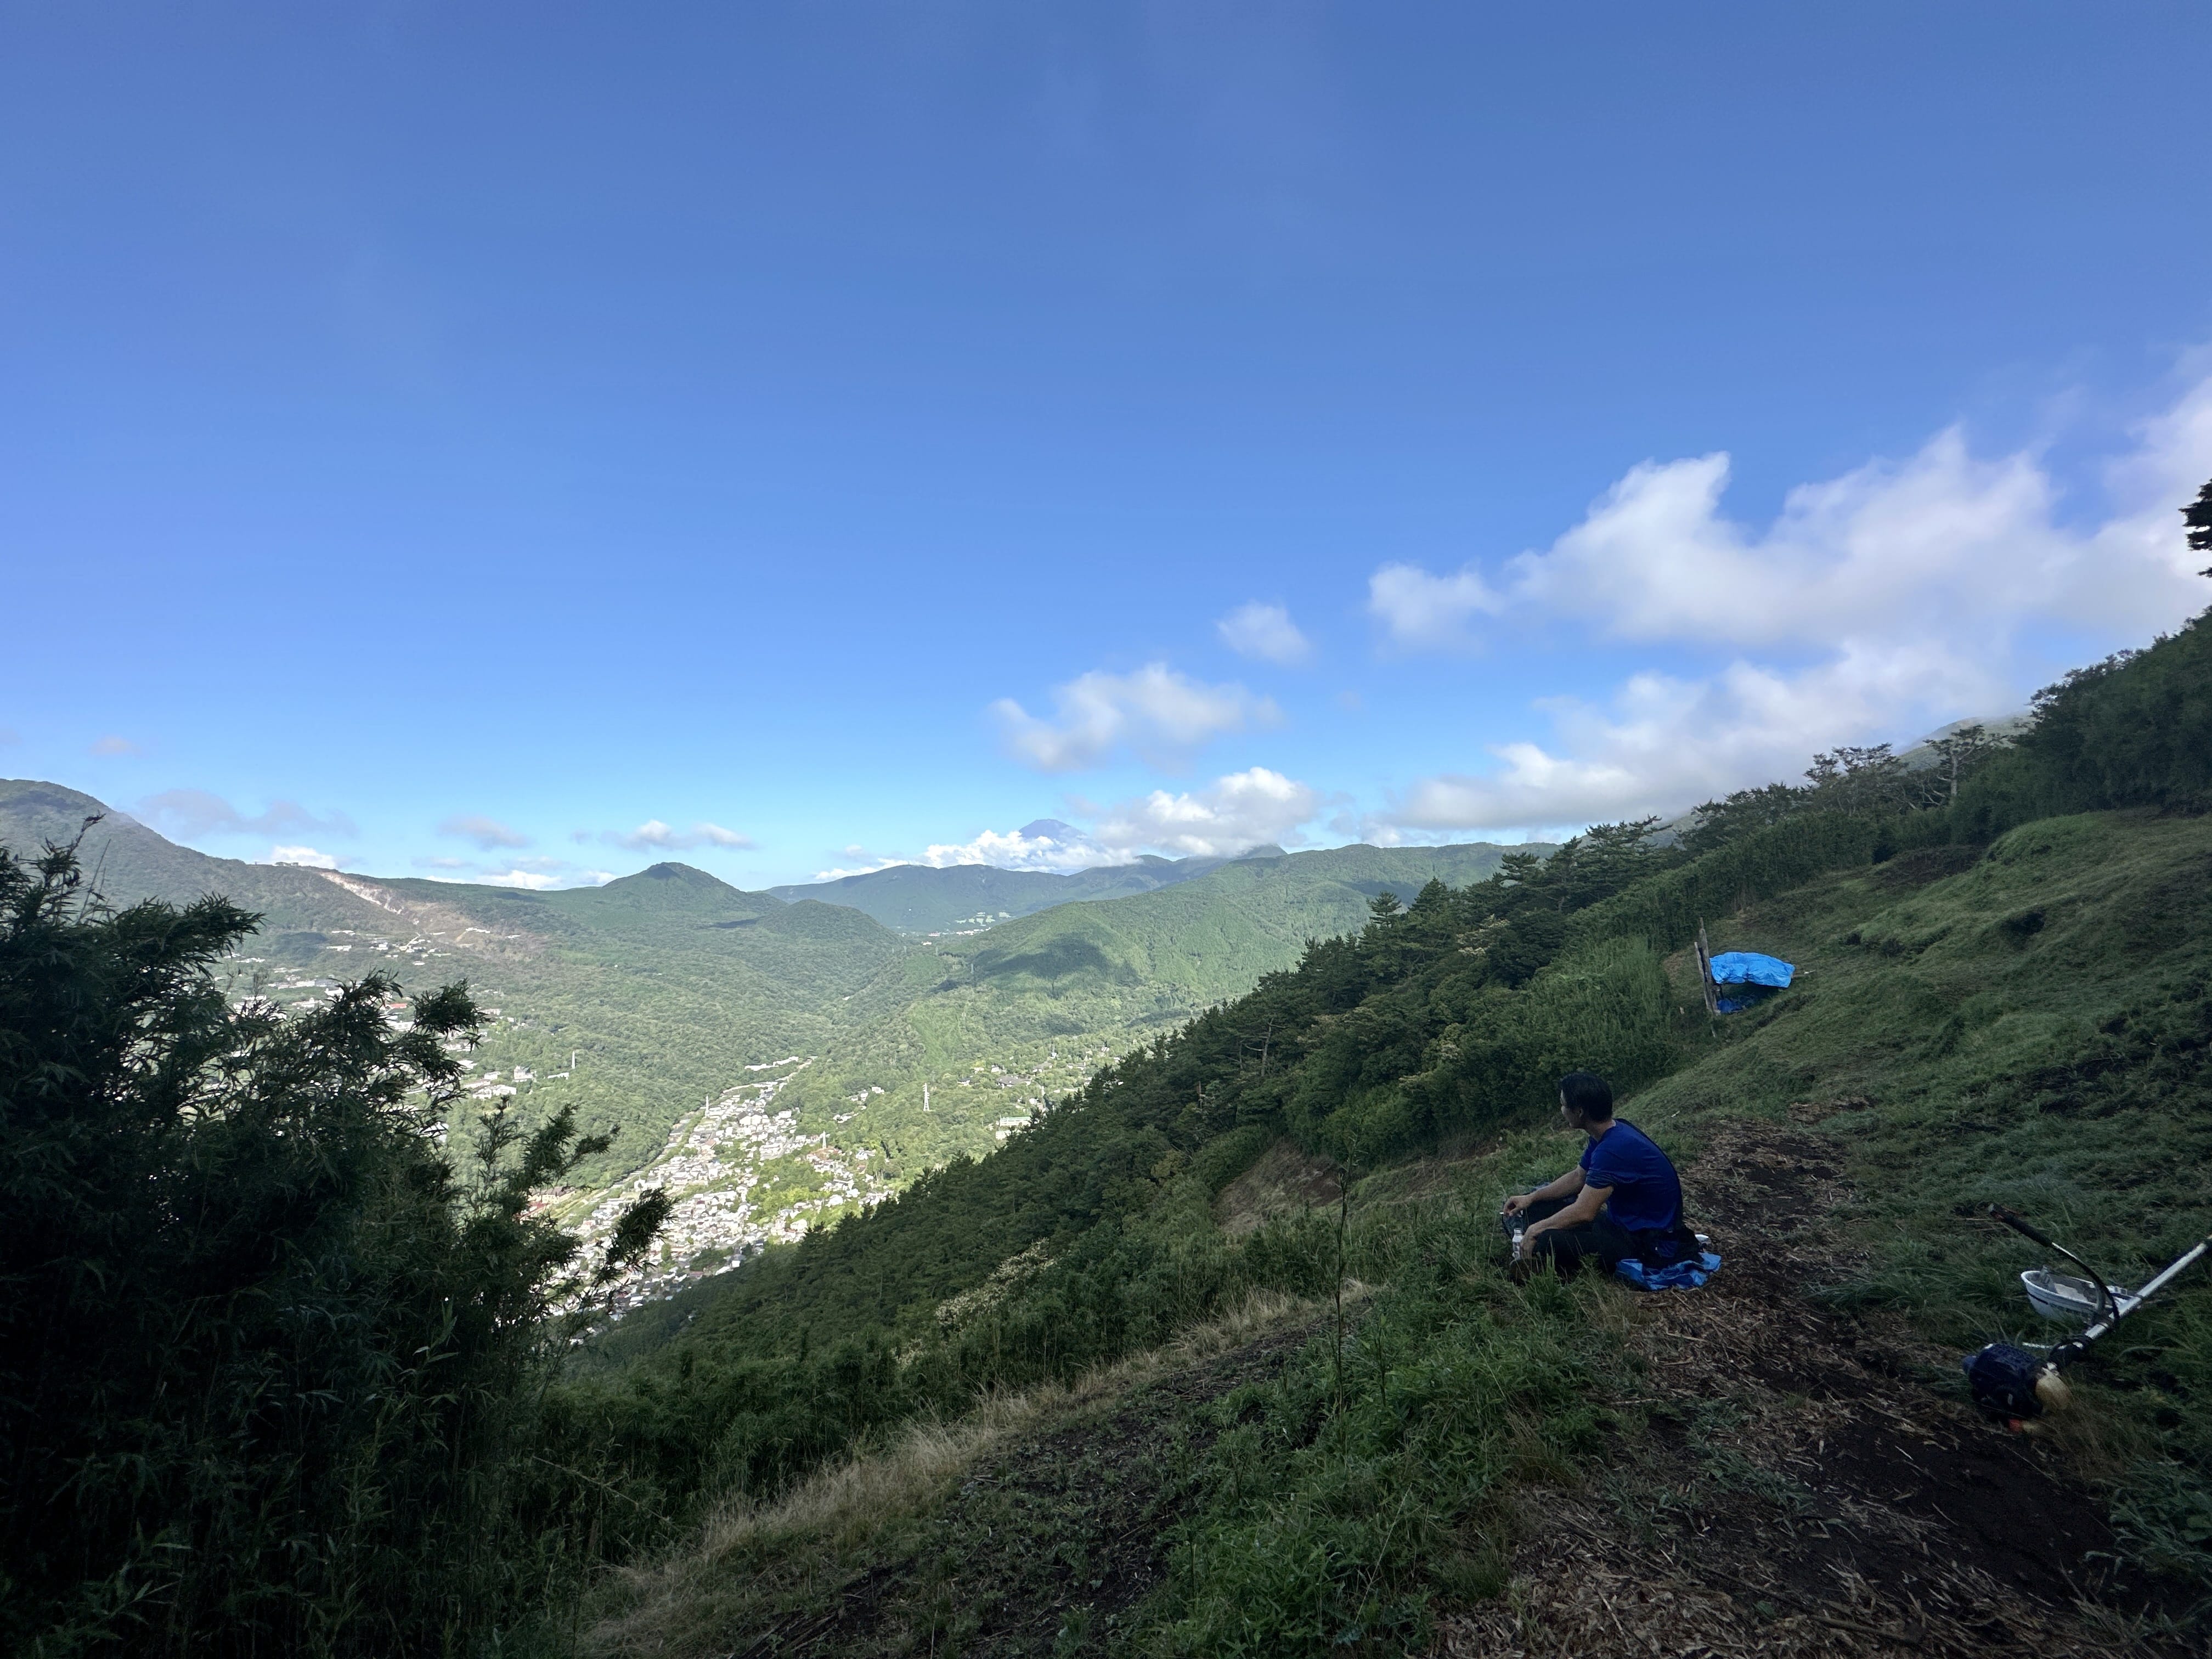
{"x":2004,"y":999}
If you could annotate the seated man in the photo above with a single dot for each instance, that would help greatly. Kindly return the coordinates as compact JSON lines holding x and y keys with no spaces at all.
{"x":1622,"y":1200}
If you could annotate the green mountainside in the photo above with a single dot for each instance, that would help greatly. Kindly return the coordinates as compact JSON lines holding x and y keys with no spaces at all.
{"x":1952,"y":1056}
{"x":765,"y":1061}
{"x":2004,"y":997}
{"x":631,"y":1002}
{"x":1220,"y":1355}
{"x":1048,"y":998}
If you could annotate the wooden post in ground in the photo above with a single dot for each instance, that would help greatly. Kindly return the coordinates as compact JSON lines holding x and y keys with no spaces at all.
{"x":1705,"y":971}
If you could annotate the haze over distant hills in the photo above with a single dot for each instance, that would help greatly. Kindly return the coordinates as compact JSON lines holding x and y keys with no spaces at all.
{"x":770,"y":1058}
{"x":919,"y":898}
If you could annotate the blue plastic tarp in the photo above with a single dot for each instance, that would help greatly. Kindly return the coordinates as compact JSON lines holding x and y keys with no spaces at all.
{"x":1749,"y":968}
{"x":1689,"y":1274}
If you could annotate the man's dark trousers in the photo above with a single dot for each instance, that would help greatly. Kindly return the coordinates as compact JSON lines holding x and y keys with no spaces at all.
{"x":1601,"y":1239}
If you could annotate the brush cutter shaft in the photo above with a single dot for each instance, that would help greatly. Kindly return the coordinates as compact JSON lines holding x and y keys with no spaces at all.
{"x":2128,"y":1301}
{"x":2131,"y":1300}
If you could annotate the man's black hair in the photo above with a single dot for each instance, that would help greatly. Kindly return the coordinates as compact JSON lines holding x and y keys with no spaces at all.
{"x":1587,"y":1093}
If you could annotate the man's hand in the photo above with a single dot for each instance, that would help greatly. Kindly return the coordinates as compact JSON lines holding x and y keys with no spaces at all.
{"x":1519,"y":1202}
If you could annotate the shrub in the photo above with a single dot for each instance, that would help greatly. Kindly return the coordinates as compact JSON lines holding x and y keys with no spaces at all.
{"x":265,"y":1354}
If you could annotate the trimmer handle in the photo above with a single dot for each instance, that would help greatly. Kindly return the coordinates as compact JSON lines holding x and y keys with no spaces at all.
{"x":2021,"y":1224}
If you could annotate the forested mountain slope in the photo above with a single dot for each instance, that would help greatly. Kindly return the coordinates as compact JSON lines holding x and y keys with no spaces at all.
{"x":661,"y":996}
{"x":630,"y":1002}
{"x":2004,"y":996}
{"x":1048,"y":998}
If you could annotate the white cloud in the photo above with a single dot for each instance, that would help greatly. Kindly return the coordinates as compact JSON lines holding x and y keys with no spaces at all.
{"x":306,"y":856}
{"x":1160,"y":713}
{"x":1240,"y":811}
{"x":1665,"y":743}
{"x":1047,"y":844}
{"x":112,"y":745}
{"x":538,"y":873}
{"x":486,"y":833}
{"x":867,"y":867}
{"x":1265,"y":631}
{"x":1422,"y":613}
{"x":190,"y":812}
{"x":540,"y":880}
{"x":1876,"y":605}
{"x":654,"y":836}
{"x":1941,"y":542}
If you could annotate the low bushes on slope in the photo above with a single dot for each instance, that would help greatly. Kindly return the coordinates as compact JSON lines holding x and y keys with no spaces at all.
{"x":2135,"y":730}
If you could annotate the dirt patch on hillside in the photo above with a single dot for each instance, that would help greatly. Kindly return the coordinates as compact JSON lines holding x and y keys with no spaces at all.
{"x":1923,"y":865}
{"x":1287,"y":1181}
{"x":1801,"y":1490}
{"x":1055,"y":1541}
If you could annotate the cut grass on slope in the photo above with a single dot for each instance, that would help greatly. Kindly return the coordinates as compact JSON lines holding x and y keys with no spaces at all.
{"x":2028,"y":1026}
{"x":2034,"y":1031}
{"x":855,"y":1560}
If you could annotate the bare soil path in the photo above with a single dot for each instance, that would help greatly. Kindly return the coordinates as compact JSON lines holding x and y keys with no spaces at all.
{"x":1804,"y":1492}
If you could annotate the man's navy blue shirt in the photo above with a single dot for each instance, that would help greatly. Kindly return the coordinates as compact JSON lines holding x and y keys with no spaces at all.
{"x":1647,"y":1196}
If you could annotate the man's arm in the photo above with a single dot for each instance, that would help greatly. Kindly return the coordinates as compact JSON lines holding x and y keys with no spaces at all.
{"x":1565,"y":1187}
{"x":1587,"y":1204}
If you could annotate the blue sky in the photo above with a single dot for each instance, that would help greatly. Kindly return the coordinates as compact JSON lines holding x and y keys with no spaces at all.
{"x":526,"y":442}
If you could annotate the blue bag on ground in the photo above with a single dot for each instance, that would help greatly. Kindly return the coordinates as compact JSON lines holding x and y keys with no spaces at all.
{"x":1675,"y":1276}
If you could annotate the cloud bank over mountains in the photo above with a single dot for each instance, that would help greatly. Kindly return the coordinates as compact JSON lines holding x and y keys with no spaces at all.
{"x":653,"y":836}
{"x":187,"y":814}
{"x":1233,"y":814}
{"x":486,"y":833}
{"x":1238,"y":813}
{"x":1693,"y":652}
{"x":1895,"y":596}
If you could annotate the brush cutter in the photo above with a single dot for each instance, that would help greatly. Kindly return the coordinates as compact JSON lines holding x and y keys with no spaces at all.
{"x":2021,"y":1382}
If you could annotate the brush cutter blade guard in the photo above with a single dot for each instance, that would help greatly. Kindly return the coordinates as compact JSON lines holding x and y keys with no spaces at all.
{"x":2062,"y":1297}
{"x":2003,"y":1379}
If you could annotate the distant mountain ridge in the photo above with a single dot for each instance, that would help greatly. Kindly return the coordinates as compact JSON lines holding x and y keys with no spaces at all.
{"x":922,"y":898}
{"x":772,"y":1059}
{"x":660,"y":986}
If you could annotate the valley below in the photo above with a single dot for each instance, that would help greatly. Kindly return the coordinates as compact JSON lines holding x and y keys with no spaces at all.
{"x":771,"y":1061}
